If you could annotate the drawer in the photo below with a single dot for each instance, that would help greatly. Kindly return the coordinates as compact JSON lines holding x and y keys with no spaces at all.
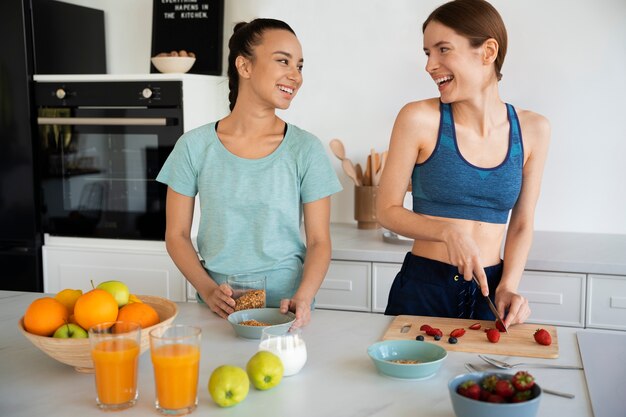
{"x":555,"y":298}
{"x":383,"y":275}
{"x":347,"y":286}
{"x":606,"y":302}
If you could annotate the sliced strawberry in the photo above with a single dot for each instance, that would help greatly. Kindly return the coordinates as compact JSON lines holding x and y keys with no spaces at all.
{"x":457,"y":333}
{"x":425,"y":327}
{"x":500,"y":326}
{"x":543,"y":337}
{"x":434,"y":332}
{"x":475,"y":326}
{"x":522,"y":381}
{"x":493,"y":335}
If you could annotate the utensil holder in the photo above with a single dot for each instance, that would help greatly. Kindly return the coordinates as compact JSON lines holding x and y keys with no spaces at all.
{"x":365,"y":206}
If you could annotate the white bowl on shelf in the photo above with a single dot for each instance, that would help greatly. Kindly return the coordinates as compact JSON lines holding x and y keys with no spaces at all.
{"x":173,"y":64}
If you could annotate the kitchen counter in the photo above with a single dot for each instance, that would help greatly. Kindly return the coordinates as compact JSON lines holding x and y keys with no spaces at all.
{"x":586,"y":253}
{"x":339,"y":379}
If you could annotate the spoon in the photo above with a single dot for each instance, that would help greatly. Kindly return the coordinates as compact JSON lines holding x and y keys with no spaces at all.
{"x":338,"y":149}
{"x":379,"y":173}
{"x":350,"y":171}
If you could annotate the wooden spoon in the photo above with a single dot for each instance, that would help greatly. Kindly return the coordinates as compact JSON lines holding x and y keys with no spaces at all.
{"x":338,"y":149}
{"x":359,"y":172}
{"x":379,"y":173}
{"x":350,"y":171}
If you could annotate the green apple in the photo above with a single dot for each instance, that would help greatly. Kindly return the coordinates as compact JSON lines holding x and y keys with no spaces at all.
{"x":70,"y":331}
{"x":118,"y":290}
{"x":265,"y":370}
{"x":228,"y":385}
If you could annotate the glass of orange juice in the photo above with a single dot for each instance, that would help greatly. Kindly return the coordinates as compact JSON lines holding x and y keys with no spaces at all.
{"x":115,"y":348}
{"x":175,"y":352}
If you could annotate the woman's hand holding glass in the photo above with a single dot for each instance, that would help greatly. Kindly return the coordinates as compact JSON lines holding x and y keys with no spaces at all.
{"x":220,"y":300}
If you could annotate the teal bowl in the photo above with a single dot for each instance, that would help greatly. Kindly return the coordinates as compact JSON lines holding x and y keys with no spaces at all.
{"x":467,"y":407}
{"x":429,"y":356}
{"x":273,"y":316}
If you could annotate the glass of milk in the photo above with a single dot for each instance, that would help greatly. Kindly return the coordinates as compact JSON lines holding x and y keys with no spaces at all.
{"x":287,"y":344}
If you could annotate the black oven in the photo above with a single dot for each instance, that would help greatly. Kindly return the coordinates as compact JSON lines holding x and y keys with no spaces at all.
{"x":101,"y":146}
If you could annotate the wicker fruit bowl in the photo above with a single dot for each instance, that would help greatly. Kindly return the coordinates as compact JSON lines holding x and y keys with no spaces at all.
{"x":76,"y":352}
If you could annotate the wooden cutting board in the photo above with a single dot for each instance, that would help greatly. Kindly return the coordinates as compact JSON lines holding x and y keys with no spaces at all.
{"x":518,"y":342}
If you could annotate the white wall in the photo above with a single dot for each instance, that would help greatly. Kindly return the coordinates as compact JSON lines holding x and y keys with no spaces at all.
{"x":364,"y":61}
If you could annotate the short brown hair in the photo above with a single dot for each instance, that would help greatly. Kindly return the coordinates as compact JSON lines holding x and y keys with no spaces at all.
{"x":477,"y":20}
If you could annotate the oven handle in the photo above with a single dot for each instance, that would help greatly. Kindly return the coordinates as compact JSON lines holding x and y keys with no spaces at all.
{"x":108,"y":121}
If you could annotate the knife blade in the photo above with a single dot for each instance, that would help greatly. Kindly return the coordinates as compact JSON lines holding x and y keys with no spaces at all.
{"x":491,"y":306}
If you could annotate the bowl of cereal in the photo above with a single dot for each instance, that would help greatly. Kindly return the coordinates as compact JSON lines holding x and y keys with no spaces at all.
{"x":250,"y":323}
{"x":407,"y":359}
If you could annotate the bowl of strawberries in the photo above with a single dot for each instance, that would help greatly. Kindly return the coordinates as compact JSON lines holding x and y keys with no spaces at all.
{"x":493,"y":394}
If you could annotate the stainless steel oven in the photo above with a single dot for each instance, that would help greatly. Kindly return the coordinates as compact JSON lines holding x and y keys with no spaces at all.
{"x":101,"y":146}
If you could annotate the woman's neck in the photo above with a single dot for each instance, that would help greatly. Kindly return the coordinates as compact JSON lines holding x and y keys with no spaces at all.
{"x":481,"y":113}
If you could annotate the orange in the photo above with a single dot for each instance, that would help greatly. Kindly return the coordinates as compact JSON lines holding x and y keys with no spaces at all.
{"x":95,"y":307}
{"x":68,"y":298}
{"x":44,"y":315}
{"x":140,"y":313}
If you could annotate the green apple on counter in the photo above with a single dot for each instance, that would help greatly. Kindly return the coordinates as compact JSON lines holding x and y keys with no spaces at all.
{"x":228,"y":385}
{"x":70,"y":331}
{"x":118,"y":290}
{"x":265,"y":370}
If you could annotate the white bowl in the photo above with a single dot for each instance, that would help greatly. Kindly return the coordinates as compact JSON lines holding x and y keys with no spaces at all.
{"x":173,"y":64}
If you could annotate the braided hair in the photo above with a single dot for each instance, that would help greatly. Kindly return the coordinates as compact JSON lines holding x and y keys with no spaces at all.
{"x":242,"y":42}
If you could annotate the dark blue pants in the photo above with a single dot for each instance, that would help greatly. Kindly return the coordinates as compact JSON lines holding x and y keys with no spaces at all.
{"x":425,"y":287}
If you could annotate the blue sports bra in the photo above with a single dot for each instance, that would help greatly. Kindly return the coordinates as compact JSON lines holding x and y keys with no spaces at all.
{"x":447,"y":185}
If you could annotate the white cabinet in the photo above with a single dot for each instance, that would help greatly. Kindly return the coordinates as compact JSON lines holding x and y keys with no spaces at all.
{"x":347,"y":286}
{"x":554,"y":297}
{"x":383,"y":275}
{"x":606,"y":302}
{"x":146,"y":271}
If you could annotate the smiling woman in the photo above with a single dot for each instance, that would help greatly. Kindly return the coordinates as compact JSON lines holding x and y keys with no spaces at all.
{"x":257,"y":177}
{"x":470,"y":168}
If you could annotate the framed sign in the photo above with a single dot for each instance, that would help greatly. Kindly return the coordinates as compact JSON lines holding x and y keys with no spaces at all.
{"x":192,"y":26}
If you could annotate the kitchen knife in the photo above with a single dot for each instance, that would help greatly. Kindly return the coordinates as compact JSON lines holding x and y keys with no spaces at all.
{"x":491,"y":306}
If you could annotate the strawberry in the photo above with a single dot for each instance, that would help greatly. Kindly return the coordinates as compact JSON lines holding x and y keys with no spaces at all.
{"x":425,"y":327}
{"x":543,"y":337}
{"x":475,"y":326}
{"x":521,"y":396}
{"x":469,"y":389}
{"x":494,"y":398}
{"x":434,"y":332}
{"x":504,"y":388}
{"x":489,"y":382}
{"x":500,"y":327}
{"x":457,"y":333}
{"x":484,"y":395}
{"x":493,"y":335}
{"x":523,"y":381}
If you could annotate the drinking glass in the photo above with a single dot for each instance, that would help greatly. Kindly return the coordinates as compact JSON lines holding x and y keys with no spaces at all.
{"x":287,"y":344}
{"x":175,"y":353}
{"x":248,"y":290}
{"x":115,"y":348}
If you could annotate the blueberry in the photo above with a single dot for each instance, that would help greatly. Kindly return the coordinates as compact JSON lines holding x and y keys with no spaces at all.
{"x":419,"y":337}
{"x":452,"y":340}
{"x":437,"y":337}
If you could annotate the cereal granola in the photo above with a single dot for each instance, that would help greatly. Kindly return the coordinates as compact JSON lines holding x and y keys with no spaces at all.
{"x":253,"y":323}
{"x":250,"y":299}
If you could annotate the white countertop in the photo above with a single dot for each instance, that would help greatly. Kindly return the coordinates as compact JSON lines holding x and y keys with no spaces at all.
{"x":339,"y":379}
{"x":551,"y":251}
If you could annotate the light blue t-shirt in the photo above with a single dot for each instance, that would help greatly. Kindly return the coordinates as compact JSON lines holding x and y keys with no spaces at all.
{"x":251,"y":209}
